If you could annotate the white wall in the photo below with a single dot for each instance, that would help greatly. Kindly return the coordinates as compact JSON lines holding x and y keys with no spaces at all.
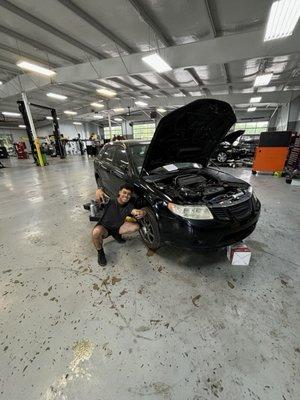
{"x":69,"y":130}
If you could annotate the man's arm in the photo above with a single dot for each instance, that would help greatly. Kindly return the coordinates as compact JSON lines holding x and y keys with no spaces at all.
{"x":100,"y":195}
{"x":138,"y":214}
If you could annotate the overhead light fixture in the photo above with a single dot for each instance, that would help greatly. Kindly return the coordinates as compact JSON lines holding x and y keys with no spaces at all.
{"x":11,"y":114}
{"x":35,"y":68}
{"x":118,"y":110}
{"x":70,"y":112}
{"x":22,"y":126}
{"x":77,"y":123}
{"x":140,"y":103}
{"x":251,"y":109}
{"x":263,"y":79}
{"x":161,"y":110}
{"x":98,"y":105}
{"x":106,"y":92}
{"x":118,"y":119}
{"x":157,"y":63}
{"x":57,"y":96}
{"x":98,"y":116}
{"x":255,"y":99}
{"x":51,"y":119}
{"x":282,"y":19}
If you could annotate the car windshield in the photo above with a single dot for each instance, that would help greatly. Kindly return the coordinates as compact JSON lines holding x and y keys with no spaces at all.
{"x":138,"y":152}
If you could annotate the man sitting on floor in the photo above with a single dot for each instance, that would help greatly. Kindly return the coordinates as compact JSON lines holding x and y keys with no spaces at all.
{"x":113,"y":220}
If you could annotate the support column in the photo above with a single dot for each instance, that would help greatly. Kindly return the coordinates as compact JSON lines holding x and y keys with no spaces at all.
{"x":30,"y":128}
{"x":59,"y":147}
{"x":109,"y":125}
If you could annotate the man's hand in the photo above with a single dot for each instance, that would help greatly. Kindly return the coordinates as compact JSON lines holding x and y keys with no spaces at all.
{"x":100,"y":196}
{"x":138,"y":214}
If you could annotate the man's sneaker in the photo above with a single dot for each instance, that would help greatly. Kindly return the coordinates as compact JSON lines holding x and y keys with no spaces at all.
{"x":101,"y":257}
{"x":119,"y":238}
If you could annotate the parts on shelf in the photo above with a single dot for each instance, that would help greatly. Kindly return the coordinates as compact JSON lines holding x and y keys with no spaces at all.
{"x":292,"y":168}
{"x":21,"y":150}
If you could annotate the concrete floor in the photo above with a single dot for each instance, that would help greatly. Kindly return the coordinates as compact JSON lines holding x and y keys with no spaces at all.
{"x":173,"y":325}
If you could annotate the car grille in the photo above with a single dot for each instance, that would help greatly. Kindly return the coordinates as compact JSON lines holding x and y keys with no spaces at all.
{"x":238,"y":211}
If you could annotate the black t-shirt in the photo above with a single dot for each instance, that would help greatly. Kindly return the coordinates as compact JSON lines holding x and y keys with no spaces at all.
{"x":115,"y":214}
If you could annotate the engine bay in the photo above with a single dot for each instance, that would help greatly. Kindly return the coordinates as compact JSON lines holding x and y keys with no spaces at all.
{"x":200,"y":188}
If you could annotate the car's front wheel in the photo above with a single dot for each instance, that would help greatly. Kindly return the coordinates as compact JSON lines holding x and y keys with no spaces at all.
{"x":222,"y":157}
{"x":149,"y":230}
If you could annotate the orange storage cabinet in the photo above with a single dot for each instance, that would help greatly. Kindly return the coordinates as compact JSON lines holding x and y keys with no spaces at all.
{"x":272,"y":151}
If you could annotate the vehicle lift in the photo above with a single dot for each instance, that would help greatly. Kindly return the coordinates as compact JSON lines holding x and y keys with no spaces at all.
{"x":24,"y":108}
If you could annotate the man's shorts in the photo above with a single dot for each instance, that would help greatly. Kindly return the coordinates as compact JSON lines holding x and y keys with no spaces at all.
{"x":111,"y":232}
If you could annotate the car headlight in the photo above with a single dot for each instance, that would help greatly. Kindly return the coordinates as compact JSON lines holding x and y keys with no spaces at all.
{"x":249,"y":189}
{"x":191,"y":212}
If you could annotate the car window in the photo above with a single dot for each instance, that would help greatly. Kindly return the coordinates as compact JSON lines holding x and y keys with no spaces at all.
{"x":108,"y":154}
{"x":138,"y":152}
{"x":121,"y":159}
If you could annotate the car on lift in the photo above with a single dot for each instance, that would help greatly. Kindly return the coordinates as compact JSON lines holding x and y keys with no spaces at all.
{"x":188,"y":203}
{"x":227,"y":150}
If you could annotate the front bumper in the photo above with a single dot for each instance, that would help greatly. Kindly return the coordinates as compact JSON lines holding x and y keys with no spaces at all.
{"x":191,"y":234}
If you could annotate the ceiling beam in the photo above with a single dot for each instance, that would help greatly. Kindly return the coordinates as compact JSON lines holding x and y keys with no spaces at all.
{"x":279,"y":97}
{"x":151,"y":20}
{"x":49,"y":28}
{"x":97,"y":25}
{"x":214,"y":34}
{"x":198,"y":80}
{"x":147,"y":83}
{"x":207,"y":52}
{"x":37,"y":44}
{"x":24,"y":54}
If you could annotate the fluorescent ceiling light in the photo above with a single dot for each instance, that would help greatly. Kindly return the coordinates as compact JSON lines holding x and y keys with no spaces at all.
{"x":282,"y":20}
{"x":70,"y":112}
{"x":141,"y":103}
{"x":35,"y":68}
{"x":161,"y":110}
{"x":98,"y":116}
{"x":255,"y":99}
{"x":51,"y":119}
{"x":157,"y":63}
{"x":263,"y":79}
{"x":106,"y":92}
{"x":251,"y":109}
{"x":22,"y":126}
{"x":98,"y":105}
{"x":77,"y":123}
{"x":11,"y":114}
{"x":118,"y":110}
{"x":57,"y":96}
{"x":118,"y":119}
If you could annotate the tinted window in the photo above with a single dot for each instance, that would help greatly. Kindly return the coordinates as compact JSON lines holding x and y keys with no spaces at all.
{"x":108,"y":154}
{"x":121,"y":159}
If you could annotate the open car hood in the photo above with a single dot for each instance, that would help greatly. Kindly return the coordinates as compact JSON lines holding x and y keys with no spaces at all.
{"x":189,"y":134}
{"x":231,"y":137}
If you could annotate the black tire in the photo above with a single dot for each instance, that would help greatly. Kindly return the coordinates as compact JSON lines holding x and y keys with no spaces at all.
{"x":288,"y":180}
{"x":222,"y":157}
{"x":254,"y":172}
{"x":149,"y":230}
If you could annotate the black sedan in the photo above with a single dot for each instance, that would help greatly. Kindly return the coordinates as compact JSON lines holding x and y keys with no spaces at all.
{"x":188,"y":204}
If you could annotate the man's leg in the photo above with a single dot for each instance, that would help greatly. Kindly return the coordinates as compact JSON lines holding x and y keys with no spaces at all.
{"x":129,"y":227}
{"x":98,"y":234}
